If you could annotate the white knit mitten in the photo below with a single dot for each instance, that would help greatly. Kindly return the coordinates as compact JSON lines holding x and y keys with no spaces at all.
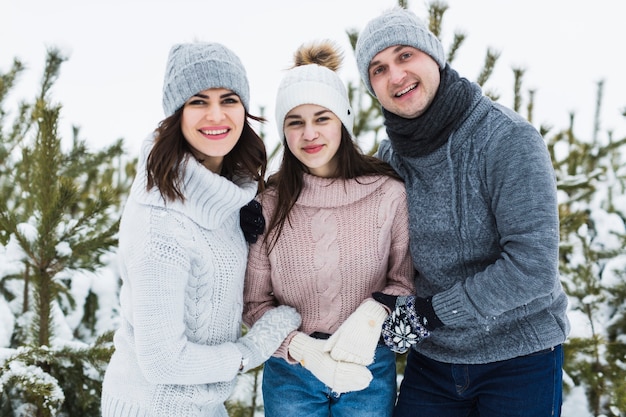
{"x":266,"y":335}
{"x":357,"y":337}
{"x":339,"y":376}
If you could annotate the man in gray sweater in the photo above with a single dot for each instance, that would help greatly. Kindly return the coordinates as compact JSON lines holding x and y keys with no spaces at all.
{"x":489,"y":314}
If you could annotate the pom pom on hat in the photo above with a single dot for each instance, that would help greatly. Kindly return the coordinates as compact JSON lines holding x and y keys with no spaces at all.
{"x":313,"y":80}
{"x":396,"y":26}
{"x":194,"y":67}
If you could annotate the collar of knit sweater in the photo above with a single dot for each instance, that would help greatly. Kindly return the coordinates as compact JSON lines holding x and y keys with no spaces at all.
{"x":209,"y":198}
{"x":321,"y":192}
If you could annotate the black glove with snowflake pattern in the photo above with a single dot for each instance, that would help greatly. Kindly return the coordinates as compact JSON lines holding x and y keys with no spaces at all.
{"x":405,"y":326}
{"x":251,"y":221}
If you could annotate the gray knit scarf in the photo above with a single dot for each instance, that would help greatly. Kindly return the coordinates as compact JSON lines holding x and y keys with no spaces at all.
{"x":425,"y":134}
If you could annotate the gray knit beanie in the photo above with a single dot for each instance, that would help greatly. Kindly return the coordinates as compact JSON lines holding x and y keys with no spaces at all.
{"x":194,"y":67}
{"x":397,"y":26}
{"x":310,"y":83}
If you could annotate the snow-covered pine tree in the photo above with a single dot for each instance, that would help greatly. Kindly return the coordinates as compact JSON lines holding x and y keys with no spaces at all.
{"x":59,"y":214}
{"x":591,"y":174}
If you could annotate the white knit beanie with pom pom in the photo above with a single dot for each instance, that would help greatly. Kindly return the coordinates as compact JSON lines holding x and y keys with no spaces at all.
{"x":314,"y":80}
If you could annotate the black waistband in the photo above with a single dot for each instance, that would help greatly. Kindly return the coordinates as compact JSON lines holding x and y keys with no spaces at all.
{"x":326,"y":336}
{"x":320,"y":335}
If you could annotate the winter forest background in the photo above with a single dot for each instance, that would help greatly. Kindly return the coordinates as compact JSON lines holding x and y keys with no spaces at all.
{"x":59,"y":210}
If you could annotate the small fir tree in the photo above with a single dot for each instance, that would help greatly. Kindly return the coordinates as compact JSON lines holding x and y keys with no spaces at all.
{"x":592,"y":181}
{"x":58,"y":221}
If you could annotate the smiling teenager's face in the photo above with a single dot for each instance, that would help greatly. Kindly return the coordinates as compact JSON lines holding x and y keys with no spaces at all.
{"x":212,"y":122}
{"x":313,"y":135}
{"x":404,"y":79}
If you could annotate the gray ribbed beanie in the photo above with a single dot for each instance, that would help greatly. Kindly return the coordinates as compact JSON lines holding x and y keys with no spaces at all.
{"x":397,"y":26}
{"x":194,"y":67}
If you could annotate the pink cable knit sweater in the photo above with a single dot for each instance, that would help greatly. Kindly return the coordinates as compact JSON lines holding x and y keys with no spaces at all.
{"x":343,"y":241}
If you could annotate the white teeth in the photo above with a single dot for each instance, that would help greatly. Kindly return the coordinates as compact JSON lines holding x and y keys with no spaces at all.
{"x":406,"y":90}
{"x":214,"y":132}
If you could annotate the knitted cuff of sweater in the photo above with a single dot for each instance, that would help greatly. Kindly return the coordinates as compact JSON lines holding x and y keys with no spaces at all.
{"x":426,"y":313}
{"x":454,"y":307}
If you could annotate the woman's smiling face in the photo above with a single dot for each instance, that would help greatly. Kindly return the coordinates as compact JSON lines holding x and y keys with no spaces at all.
{"x":212,"y":123}
{"x":313,"y":135}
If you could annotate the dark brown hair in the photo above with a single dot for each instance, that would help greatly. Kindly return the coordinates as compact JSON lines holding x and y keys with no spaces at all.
{"x":288,"y":181}
{"x":171,"y":151}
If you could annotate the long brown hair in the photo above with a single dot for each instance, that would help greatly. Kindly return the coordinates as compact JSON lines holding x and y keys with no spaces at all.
{"x":288,"y":181}
{"x":171,"y":151}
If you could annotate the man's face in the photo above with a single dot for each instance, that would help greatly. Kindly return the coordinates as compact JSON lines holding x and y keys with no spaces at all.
{"x":404,"y":79}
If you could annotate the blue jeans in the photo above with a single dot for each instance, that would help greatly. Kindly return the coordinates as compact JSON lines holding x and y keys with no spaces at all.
{"x":528,"y":386}
{"x":292,"y":390}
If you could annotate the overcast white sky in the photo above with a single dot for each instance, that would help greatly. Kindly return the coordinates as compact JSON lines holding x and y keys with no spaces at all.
{"x":111,"y":84}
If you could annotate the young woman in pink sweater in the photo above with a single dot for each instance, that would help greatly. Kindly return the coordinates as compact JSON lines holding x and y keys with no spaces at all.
{"x":337,"y":232}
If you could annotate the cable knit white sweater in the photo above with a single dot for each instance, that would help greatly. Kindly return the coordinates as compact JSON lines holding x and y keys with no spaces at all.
{"x":182,"y":267}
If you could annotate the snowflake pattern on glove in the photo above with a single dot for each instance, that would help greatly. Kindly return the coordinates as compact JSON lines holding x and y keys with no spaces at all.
{"x":402,"y":329}
{"x":414,"y":320}
{"x":397,"y":333}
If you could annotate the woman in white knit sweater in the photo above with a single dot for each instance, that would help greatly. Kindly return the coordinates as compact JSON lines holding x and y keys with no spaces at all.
{"x":338,"y":231}
{"x":182,"y":253}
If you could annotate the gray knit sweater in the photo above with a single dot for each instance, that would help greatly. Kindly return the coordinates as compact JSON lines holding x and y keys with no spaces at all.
{"x":182,"y":267}
{"x":484,"y":235}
